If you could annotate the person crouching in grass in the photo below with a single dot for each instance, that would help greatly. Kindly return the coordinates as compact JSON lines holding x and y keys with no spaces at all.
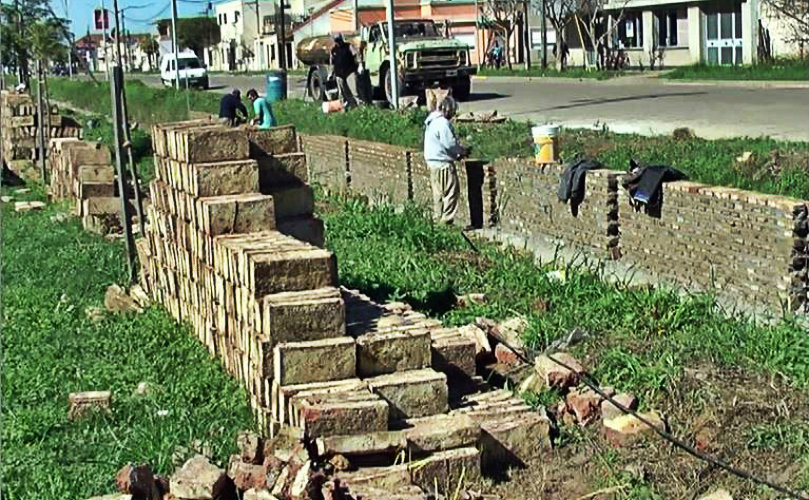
{"x":441,"y":151}
{"x":264,"y":117}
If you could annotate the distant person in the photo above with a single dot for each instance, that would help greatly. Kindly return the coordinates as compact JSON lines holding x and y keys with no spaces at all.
{"x":229,"y":108}
{"x":344,"y":62}
{"x":264,"y":116}
{"x":441,"y":150}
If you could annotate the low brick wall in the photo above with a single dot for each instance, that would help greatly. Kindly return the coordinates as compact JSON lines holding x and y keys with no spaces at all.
{"x":327,"y":160}
{"x":740,"y":244}
{"x":744,"y":246}
{"x":379,"y":171}
{"x":527,"y":204}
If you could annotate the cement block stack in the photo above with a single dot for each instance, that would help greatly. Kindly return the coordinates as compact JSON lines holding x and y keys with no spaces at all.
{"x":19,"y":131}
{"x":327,"y":361}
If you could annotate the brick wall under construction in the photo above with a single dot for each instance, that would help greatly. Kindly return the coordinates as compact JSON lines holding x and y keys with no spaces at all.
{"x":742,"y":246}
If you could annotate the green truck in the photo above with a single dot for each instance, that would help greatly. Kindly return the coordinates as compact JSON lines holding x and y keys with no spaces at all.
{"x":425,"y":59}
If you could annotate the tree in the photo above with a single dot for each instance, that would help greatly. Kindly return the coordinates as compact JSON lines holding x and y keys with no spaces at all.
{"x":150,"y":47}
{"x":598,"y":27}
{"x":796,"y":15}
{"x":560,"y":13}
{"x":195,"y":33}
{"x":15,"y":20}
{"x":503,"y":16}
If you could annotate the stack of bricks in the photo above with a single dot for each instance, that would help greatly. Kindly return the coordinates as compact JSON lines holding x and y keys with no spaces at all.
{"x":214,"y":255}
{"x":19,"y":131}
{"x":82,"y":172}
{"x":528,"y":203}
{"x":328,"y":361}
{"x":747,"y":246}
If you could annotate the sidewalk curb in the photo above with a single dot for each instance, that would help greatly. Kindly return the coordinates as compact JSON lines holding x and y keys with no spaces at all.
{"x":750,"y":84}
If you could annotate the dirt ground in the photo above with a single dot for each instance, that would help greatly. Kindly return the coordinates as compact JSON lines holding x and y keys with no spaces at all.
{"x":716,"y":409}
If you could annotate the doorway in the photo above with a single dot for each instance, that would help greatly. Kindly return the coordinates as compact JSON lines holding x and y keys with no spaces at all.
{"x":723,"y":34}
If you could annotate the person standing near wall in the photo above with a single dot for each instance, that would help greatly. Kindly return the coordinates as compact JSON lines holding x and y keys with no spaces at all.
{"x":441,"y":151}
{"x":344,"y":64}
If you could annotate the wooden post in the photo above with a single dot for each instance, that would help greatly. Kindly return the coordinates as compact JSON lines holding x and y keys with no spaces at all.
{"x":40,"y":123}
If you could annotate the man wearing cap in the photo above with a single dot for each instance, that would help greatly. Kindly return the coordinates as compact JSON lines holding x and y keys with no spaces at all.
{"x":441,"y":150}
{"x":229,"y":107}
{"x":344,"y":63}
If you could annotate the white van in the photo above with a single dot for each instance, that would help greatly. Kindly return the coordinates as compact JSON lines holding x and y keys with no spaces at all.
{"x":192,"y":71}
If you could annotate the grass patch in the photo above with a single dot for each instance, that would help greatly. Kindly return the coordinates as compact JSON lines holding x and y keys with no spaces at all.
{"x":780,"y":69}
{"x":52,"y":271}
{"x":775,"y":167}
{"x":649,"y":334}
{"x":537,"y":71}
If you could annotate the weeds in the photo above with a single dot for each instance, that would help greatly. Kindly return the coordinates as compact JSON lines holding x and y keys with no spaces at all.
{"x":52,"y":271}
{"x":537,"y":71}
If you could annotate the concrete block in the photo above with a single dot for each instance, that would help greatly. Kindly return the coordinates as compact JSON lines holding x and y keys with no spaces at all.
{"x":293,"y":270}
{"x":223,"y":178}
{"x":96,"y":190}
{"x":514,"y":439}
{"x":446,"y":468}
{"x":240,"y":213}
{"x":441,"y":432}
{"x":283,"y":169}
{"x":367,"y":443}
{"x":412,"y":394}
{"x":293,"y":200}
{"x":303,"y":315}
{"x":315,"y":361}
{"x":274,"y":141}
{"x":388,"y":352}
{"x":214,"y":144}
{"x":282,"y":395}
{"x":305,"y":228}
{"x":453,"y":352}
{"x":343,"y":413}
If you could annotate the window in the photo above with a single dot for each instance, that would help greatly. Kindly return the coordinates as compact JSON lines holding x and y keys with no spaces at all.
{"x":375,"y":34}
{"x":236,"y":17}
{"x":225,"y":18}
{"x":630,"y":31}
{"x":667,"y":26}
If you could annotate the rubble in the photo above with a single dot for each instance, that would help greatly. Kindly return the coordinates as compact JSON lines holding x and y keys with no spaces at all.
{"x":552,"y":374}
{"x":626,"y":429}
{"x":198,"y":479}
{"x":82,"y":402}
{"x":609,"y":410}
{"x":26,"y":206}
{"x":116,"y":300}
{"x":720,"y":494}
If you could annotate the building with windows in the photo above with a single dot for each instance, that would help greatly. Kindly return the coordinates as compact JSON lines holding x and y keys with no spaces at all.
{"x":239,"y":24}
{"x":674,"y":33}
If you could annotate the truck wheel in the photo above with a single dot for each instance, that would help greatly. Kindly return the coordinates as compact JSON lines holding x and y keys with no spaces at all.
{"x":462,"y":89}
{"x":388,"y":90}
{"x":317,"y":85}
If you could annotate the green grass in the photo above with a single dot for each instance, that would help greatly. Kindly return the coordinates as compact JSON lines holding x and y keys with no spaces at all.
{"x":780,"y":69}
{"x":404,"y":256}
{"x":776,"y":167}
{"x":537,"y":71}
{"x":52,"y":271}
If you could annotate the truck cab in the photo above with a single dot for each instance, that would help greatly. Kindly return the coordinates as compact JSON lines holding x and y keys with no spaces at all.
{"x":424,"y":56}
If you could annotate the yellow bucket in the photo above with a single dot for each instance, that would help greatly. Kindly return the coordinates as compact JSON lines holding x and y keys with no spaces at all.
{"x":546,"y":144}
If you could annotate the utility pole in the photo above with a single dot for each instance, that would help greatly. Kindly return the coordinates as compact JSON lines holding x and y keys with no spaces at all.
{"x":544,"y":39}
{"x":116,"y":89}
{"x":477,"y":33}
{"x":356,"y":10}
{"x":104,"y":21}
{"x":69,"y":42}
{"x":174,"y":44}
{"x":283,"y":44}
{"x":526,"y":35}
{"x":393,"y":70}
{"x":40,"y":122}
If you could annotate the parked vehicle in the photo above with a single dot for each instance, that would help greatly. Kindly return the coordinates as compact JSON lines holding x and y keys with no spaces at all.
{"x":425,"y":59}
{"x":192,"y":72}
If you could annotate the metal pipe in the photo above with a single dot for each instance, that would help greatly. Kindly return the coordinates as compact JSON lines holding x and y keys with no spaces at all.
{"x":174,"y":44}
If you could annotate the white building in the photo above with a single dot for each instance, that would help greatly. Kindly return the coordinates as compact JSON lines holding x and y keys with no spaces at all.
{"x":239,"y":30}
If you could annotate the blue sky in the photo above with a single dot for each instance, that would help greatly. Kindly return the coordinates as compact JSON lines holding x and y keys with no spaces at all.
{"x":139,"y":13}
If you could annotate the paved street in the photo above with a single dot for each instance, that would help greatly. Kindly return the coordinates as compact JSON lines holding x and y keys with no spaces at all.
{"x":630,"y":104}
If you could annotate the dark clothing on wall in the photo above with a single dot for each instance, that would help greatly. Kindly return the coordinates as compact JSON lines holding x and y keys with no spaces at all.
{"x":644,"y":185}
{"x":229,"y":105}
{"x":571,"y":182}
{"x":343,"y":60}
